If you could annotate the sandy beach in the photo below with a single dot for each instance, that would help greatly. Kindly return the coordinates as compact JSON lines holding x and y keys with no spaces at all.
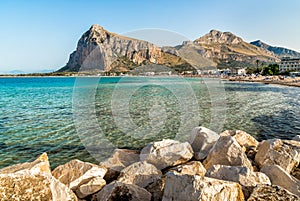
{"x":281,"y":80}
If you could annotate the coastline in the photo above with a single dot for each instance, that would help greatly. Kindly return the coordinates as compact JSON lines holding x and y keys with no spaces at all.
{"x":275,"y":80}
{"x":234,"y":161}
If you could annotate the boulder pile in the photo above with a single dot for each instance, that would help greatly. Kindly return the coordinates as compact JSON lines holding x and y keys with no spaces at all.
{"x":231,"y":166}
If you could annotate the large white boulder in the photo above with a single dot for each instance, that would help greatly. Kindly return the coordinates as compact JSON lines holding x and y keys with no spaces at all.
{"x":280,"y":177}
{"x":181,"y":187}
{"x":76,"y":173}
{"x":28,"y":186}
{"x":227,"y":151}
{"x":167,"y":153}
{"x":202,"y":140}
{"x":286,"y":154}
{"x":242,"y":175}
{"x":244,"y":139}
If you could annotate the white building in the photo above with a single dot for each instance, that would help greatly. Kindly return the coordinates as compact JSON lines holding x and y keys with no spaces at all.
{"x":289,"y":64}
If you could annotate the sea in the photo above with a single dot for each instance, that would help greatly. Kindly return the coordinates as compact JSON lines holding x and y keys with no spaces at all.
{"x":86,"y":118}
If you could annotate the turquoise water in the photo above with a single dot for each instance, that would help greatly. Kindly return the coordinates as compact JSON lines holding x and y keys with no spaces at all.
{"x":37,"y":114}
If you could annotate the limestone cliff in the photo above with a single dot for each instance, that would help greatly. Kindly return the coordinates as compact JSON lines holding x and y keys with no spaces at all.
{"x":100,"y":50}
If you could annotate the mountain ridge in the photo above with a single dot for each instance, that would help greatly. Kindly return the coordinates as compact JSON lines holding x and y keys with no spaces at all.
{"x":101,"y":50}
{"x":279,"y":51}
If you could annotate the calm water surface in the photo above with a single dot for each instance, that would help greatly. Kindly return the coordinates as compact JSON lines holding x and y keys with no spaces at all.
{"x":36,"y":114}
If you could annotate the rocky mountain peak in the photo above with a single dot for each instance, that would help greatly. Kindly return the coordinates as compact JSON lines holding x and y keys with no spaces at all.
{"x":219,"y":37}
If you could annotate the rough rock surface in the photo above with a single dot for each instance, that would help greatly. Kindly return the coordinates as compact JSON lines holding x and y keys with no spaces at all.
{"x":93,"y":186}
{"x":166,"y":153}
{"x":280,"y":177}
{"x":120,"y":159}
{"x":272,"y":193}
{"x":227,"y":151}
{"x":192,"y":168}
{"x":27,"y":186}
{"x":40,"y":165}
{"x":76,"y":173}
{"x":242,"y":175}
{"x":120,"y":191}
{"x":193,"y":188}
{"x":144,"y":175}
{"x":286,"y":154}
{"x":202,"y":140}
{"x":243,"y":138}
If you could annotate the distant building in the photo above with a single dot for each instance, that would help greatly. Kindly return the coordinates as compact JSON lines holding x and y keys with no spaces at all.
{"x":239,"y":71}
{"x":289,"y":64}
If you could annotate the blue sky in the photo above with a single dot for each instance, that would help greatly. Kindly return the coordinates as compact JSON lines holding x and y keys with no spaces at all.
{"x":38,"y":35}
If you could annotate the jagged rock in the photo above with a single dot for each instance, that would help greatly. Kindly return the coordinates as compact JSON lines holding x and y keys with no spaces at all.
{"x":141,"y":174}
{"x":27,"y":186}
{"x":144,"y":175}
{"x":120,"y":159}
{"x":272,"y":193}
{"x":40,"y":165}
{"x":243,"y":138}
{"x":202,"y":140}
{"x":296,"y":138}
{"x":284,"y":153}
{"x":76,"y":173}
{"x":280,"y":177}
{"x":193,"y":188}
{"x":192,"y":168}
{"x":120,"y":191}
{"x":242,"y":175}
{"x":227,"y":151}
{"x":93,"y":186}
{"x":166,"y":153}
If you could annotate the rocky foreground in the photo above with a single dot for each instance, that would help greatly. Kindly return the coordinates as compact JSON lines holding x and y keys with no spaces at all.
{"x":227,"y":166}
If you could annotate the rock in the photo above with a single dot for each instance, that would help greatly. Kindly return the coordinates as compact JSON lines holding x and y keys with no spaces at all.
{"x":202,"y":140}
{"x":27,"y":186}
{"x":167,"y":153}
{"x":141,"y":174}
{"x":272,"y":193}
{"x":296,"y":138}
{"x":227,"y":151}
{"x":278,"y":152}
{"x":192,"y":168}
{"x":76,"y":173}
{"x":40,"y":165}
{"x":120,"y":191}
{"x":144,"y":175}
{"x":242,"y":175}
{"x":93,"y":186}
{"x":243,"y":138}
{"x":280,"y":177}
{"x":120,"y":159}
{"x":193,"y":188}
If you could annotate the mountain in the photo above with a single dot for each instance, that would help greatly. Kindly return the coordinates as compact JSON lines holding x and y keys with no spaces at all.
{"x":279,"y":51}
{"x":229,"y":50}
{"x":101,"y":50}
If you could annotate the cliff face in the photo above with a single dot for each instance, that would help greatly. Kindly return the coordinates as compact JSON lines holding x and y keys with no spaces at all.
{"x":229,"y":50}
{"x":99,"y":49}
{"x":279,"y":51}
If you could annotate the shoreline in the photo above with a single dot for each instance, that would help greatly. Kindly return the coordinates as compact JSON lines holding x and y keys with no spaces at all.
{"x":274,"y":80}
{"x":233,"y":160}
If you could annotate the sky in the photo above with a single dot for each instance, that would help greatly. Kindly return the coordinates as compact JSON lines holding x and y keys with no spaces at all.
{"x":38,"y":35}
